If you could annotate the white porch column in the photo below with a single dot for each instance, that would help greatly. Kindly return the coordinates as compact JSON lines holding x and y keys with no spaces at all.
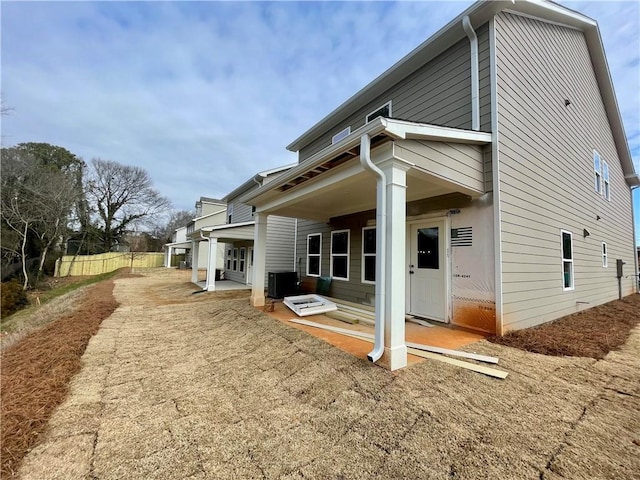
{"x":195,"y":250}
{"x":210,"y":284}
{"x":395,"y":350}
{"x":167,"y":258}
{"x":259,"y":259}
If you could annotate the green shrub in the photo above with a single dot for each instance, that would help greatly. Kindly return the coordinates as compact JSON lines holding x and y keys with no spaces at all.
{"x":13,"y":298}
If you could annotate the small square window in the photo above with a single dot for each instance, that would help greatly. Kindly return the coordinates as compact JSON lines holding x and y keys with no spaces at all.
{"x":383,"y":111}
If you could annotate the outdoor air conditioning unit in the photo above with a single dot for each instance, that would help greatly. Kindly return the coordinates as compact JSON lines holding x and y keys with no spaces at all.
{"x":281,"y":284}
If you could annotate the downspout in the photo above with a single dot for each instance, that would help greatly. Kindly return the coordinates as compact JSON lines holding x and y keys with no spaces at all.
{"x":635,"y":245}
{"x":381,"y":235}
{"x":475,"y":83}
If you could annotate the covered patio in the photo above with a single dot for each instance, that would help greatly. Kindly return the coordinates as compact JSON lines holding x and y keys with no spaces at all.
{"x":227,"y":233}
{"x":387,"y":165}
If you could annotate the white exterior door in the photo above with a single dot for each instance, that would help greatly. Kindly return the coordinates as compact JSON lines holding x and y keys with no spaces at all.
{"x":427,"y":270}
{"x":250,"y":266}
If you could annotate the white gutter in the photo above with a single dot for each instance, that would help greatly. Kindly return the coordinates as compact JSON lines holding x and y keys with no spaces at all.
{"x":475,"y":82}
{"x":381,"y":234}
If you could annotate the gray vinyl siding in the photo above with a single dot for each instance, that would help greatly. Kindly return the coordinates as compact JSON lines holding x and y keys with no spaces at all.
{"x":438,"y":93}
{"x":353,"y":290}
{"x":546,"y":174}
{"x":280,"y":249}
{"x":241,"y":212}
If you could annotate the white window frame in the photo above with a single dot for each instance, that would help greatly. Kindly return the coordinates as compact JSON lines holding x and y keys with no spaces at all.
{"x":605,"y":255}
{"x":347,"y":255}
{"x":242,"y":259}
{"x":229,"y":258}
{"x":229,"y":213}
{"x":597,"y":172}
{"x":606,"y":185}
{"x":364,"y":255}
{"x":367,"y":120}
{"x":319,"y":255}
{"x":344,"y":133}
{"x":235,"y":260}
{"x":563,"y":260}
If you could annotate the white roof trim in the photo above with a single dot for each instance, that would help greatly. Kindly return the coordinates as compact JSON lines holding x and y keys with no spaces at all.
{"x":397,"y":129}
{"x":227,"y":226}
{"x":209,"y":215}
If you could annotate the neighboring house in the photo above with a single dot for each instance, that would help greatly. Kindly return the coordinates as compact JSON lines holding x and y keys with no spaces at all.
{"x":483,"y":181}
{"x":236,"y":236}
{"x":179,"y":245}
{"x":199,"y":252}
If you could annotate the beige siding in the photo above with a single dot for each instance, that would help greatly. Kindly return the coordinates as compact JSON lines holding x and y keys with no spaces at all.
{"x":438,"y":93}
{"x":546,"y":173}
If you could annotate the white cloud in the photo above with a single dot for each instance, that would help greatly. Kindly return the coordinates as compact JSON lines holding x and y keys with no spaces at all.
{"x":205,"y":94}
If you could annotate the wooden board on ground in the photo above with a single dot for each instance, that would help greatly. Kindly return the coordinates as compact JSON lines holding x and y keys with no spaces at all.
{"x":492,"y":372}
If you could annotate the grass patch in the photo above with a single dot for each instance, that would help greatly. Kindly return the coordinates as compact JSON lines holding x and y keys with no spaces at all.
{"x":39,"y":297}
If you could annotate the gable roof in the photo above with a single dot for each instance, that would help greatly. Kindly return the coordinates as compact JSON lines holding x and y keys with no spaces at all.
{"x":479,"y":13}
{"x":257,"y":179}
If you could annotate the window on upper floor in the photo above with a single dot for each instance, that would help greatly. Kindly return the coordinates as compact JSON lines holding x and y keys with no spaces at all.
{"x":340,"y":254}
{"x":383,"y":111}
{"x":597,"y":172}
{"x":340,"y":135}
{"x":606,"y":186}
{"x":369,"y":255}
{"x":229,"y":212}
{"x":567,"y":260}
{"x":314,"y":254}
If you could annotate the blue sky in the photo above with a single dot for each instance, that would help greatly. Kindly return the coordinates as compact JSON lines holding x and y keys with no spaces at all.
{"x":205,"y":94}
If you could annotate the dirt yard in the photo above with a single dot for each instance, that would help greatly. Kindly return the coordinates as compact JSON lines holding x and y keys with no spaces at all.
{"x":182,"y":386}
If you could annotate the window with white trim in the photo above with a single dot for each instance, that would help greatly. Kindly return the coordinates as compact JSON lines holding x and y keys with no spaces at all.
{"x":369,"y":255}
{"x":341,"y":134}
{"x":340,"y":255}
{"x":243,"y":257}
{"x":383,"y":111}
{"x":229,"y":212}
{"x":597,"y":172}
{"x":605,"y":262}
{"x":229,"y":253}
{"x":235,"y":259}
{"x":606,"y":186}
{"x":314,"y":254}
{"x":567,"y":260}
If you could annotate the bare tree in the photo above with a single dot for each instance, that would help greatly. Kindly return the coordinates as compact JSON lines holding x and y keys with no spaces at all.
{"x":21,"y":203}
{"x":177,"y":219}
{"x":122,"y":197}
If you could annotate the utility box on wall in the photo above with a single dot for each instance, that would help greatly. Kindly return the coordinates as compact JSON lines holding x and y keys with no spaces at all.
{"x":281,"y":284}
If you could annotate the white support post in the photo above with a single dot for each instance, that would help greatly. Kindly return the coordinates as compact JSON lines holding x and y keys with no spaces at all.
{"x":167,"y":257}
{"x":395,"y":351}
{"x":210,"y":284}
{"x":194,"y":261}
{"x":259,"y":259}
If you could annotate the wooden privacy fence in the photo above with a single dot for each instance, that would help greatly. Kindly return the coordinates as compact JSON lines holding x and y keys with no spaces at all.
{"x":106,"y":262}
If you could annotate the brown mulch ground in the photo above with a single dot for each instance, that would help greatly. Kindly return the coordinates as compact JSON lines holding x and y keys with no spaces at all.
{"x":36,"y":372}
{"x":591,"y":333}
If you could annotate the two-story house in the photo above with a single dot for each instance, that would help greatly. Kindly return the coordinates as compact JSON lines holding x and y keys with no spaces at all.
{"x":209,"y":212}
{"x":484,"y":180}
{"x":235,"y":236}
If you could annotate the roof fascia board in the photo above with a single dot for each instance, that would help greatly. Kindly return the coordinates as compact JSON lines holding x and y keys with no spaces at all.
{"x":209,"y":215}
{"x":227,"y":226}
{"x":258,"y":177}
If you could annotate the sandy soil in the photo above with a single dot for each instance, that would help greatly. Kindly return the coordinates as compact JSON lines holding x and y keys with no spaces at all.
{"x":182,"y":386}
